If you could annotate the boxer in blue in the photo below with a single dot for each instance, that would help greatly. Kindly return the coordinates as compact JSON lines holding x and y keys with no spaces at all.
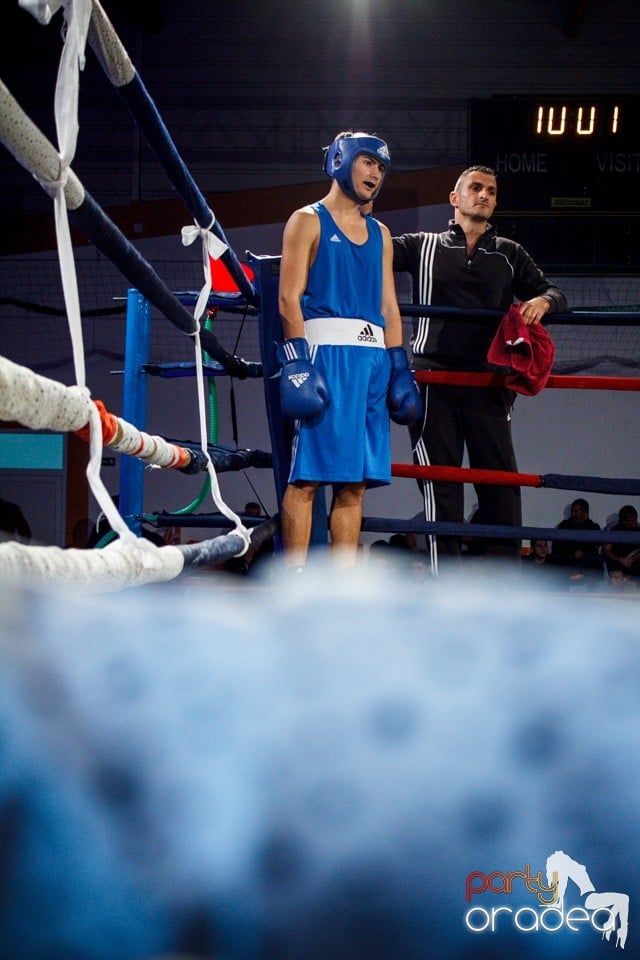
{"x":344,"y":369}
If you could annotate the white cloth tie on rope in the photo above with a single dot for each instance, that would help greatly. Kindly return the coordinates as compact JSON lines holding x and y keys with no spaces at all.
{"x":77,"y":14}
{"x":98,"y":488}
{"x":69,"y":280}
{"x":216,"y":494}
{"x":211,"y":246}
{"x":77,"y":17}
{"x":42,"y":10}
{"x":214,"y":247}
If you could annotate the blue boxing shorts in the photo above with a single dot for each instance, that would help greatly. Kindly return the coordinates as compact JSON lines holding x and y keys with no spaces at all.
{"x":350,"y":441}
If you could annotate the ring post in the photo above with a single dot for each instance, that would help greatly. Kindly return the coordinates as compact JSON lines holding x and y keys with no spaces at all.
{"x":134,"y":403}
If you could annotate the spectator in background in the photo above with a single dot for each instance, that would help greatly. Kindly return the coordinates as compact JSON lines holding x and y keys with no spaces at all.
{"x":581,"y":561}
{"x":399,"y":554}
{"x":538,"y":555}
{"x":537,"y":570}
{"x":624,"y":556}
{"x":621,"y":582}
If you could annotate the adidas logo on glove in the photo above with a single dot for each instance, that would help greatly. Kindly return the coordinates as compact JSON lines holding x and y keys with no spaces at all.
{"x":303,"y":392}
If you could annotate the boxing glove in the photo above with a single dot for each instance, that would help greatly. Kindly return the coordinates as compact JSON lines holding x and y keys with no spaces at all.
{"x":303,"y":391}
{"x":403,"y":396}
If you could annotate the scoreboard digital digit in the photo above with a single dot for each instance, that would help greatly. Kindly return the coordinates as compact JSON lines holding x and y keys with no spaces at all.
{"x":560,"y":153}
{"x":567,"y":173}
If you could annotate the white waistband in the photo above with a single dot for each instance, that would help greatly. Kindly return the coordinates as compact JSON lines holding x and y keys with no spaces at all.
{"x":343,"y":332}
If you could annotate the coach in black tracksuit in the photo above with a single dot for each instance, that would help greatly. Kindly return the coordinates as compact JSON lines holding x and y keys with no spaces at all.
{"x":469,"y":266}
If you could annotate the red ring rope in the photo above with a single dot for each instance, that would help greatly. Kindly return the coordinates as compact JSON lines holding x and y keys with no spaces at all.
{"x":470,"y":379}
{"x":502,"y":478}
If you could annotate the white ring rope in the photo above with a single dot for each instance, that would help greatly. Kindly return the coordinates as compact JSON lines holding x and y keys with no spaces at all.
{"x":108,"y":49}
{"x":53,"y":170}
{"x":154,"y":451}
{"x":43,"y":404}
{"x":40,"y":403}
{"x":34,"y":151}
{"x":77,"y":14}
{"x":114,"y":567}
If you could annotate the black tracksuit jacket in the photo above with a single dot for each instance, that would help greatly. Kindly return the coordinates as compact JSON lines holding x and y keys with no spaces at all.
{"x":498,"y":271}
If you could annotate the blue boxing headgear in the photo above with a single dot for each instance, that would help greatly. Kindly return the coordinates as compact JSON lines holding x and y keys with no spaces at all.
{"x":339,"y":157}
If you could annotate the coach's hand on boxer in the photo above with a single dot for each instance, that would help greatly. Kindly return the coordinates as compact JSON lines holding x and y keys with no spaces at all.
{"x":403,"y":396}
{"x":303,"y":391}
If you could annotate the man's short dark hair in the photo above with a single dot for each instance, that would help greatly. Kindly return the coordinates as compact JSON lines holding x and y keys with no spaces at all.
{"x":580,"y":502}
{"x":476,"y":168}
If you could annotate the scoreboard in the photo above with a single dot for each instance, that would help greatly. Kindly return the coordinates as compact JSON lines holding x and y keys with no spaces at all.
{"x":567,"y":171}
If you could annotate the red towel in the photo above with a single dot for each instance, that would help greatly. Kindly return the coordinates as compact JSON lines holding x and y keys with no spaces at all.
{"x":528,"y":350}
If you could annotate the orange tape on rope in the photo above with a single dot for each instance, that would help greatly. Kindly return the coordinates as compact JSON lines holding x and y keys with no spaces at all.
{"x":108,"y":421}
{"x":114,"y":432}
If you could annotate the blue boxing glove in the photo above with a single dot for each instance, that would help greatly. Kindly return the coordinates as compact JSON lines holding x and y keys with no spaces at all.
{"x":303,"y":391}
{"x":403,"y":396}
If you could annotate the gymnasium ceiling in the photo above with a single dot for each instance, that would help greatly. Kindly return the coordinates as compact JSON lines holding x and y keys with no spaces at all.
{"x":250,"y":91}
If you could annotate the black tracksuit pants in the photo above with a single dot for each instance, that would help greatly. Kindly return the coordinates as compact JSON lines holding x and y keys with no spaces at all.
{"x":480,"y":419}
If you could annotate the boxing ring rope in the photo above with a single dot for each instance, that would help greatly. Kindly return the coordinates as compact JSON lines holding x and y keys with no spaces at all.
{"x":580,"y":318}
{"x":84,"y":19}
{"x":557,"y":381}
{"x":494,"y":531}
{"x":444,"y":474}
{"x":117,"y":566}
{"x":154,"y":451}
{"x":39,"y":403}
{"x":48,"y":166}
{"x":40,"y":158}
{"x":124,"y":77}
{"x":505,"y":478}
{"x":270,"y":331}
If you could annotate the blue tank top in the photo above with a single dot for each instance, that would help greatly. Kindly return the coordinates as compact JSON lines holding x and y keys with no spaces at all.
{"x":345,"y":279}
